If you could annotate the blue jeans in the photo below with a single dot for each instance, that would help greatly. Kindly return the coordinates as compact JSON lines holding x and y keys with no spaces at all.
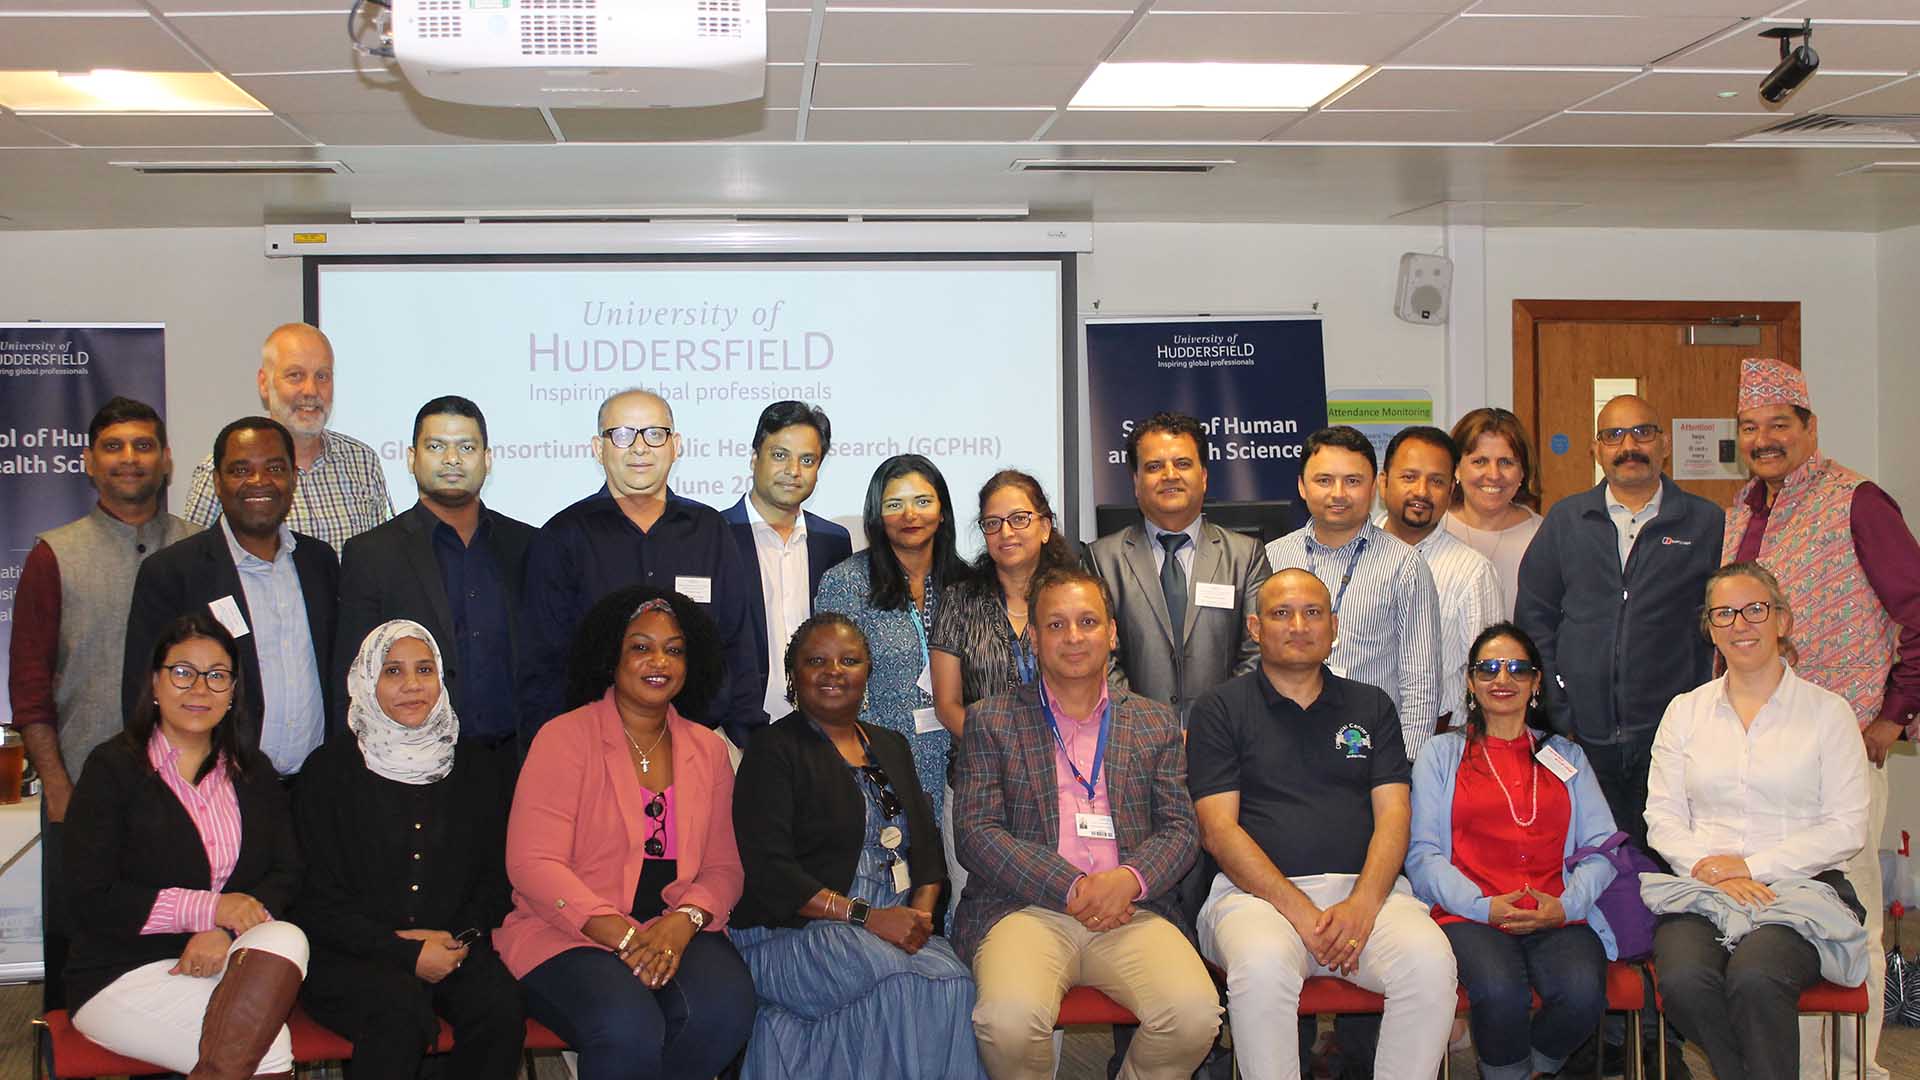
{"x":1566,"y":966}
{"x":690,"y":1028}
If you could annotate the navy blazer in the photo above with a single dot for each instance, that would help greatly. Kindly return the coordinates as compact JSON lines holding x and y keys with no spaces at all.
{"x":189,"y":576}
{"x":827,"y":545}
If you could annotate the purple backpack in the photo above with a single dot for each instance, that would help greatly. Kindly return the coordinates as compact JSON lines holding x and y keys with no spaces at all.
{"x":1619,"y":903}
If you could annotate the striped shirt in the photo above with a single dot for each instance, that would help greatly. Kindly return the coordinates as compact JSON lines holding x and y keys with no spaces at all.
{"x":293,"y":716}
{"x":1389,"y":619}
{"x":1469,"y":590}
{"x":341,"y":495}
{"x":215,"y":809}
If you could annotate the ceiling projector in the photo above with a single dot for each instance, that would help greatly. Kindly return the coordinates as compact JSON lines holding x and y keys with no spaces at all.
{"x":583,"y":53}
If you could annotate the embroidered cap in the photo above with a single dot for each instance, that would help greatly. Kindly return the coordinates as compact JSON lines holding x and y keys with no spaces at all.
{"x":1770,"y":382}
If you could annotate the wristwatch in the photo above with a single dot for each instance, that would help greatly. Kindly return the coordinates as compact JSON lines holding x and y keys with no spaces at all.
{"x":694,"y":915}
{"x":857,"y":912}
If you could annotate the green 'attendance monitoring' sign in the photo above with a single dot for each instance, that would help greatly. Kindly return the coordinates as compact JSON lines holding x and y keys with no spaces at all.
{"x":1377,"y":411}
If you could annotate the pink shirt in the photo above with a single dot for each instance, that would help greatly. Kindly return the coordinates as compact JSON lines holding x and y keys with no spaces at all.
{"x":1080,"y":738}
{"x":215,"y":809}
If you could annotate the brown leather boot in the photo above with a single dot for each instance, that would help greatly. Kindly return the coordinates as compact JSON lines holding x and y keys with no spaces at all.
{"x":245,"y":1013}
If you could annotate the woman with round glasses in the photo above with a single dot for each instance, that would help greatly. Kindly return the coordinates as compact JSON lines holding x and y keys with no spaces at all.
{"x":1498,"y":807}
{"x":621,"y":852}
{"x":181,"y":857}
{"x":1493,"y":503}
{"x":1758,"y":783}
{"x":843,"y":868}
{"x":892,"y":592}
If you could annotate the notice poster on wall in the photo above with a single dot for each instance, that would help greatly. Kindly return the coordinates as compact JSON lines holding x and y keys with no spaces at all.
{"x":1705,"y":449}
{"x":1257,"y":382}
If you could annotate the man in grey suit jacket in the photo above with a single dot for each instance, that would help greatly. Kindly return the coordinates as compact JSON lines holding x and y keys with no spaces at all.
{"x":1177,"y":569}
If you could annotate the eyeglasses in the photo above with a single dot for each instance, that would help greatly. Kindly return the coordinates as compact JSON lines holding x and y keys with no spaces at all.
{"x":656,"y":845}
{"x":623,"y":436}
{"x":1019,"y":519}
{"x":889,"y":802}
{"x":1755,"y":613}
{"x":183,"y":676}
{"x":1614,"y":436}
{"x":1489,"y":670}
{"x":922,"y":503}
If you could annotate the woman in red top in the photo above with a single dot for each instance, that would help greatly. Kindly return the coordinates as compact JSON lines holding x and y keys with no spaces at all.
{"x":1497,"y":808}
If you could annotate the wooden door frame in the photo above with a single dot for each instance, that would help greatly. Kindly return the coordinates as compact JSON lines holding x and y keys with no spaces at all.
{"x":1528,"y":314}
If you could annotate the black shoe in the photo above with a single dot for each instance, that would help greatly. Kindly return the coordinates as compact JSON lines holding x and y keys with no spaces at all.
{"x":1580,"y":1063}
{"x":1676,"y":1061}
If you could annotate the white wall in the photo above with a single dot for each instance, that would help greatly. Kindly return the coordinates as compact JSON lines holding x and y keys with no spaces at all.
{"x":1899,"y":279}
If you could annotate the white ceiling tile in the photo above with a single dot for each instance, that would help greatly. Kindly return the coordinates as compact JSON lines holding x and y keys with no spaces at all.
{"x":310,"y":42}
{"x":1273,"y":38}
{"x":72,"y":5}
{"x":1165,"y":125}
{"x":1899,"y":97}
{"x":171,"y":130}
{"x":192,"y":7}
{"x":1343,"y":7}
{"x":1639,"y":129}
{"x":1732,"y":9}
{"x":434,"y":123}
{"x":938,"y":37}
{"x":1393,"y":126}
{"x":1009,"y":5}
{"x":787,"y":35}
{"x":1665,"y":91}
{"x":1851,"y":9}
{"x":717,"y":123}
{"x":1559,"y":41}
{"x":922,"y":125}
{"x":948,"y":85}
{"x":1457,"y":88}
{"x":81,"y":44}
{"x":1842,"y":47}
{"x":331,"y":91}
{"x":18,"y":133}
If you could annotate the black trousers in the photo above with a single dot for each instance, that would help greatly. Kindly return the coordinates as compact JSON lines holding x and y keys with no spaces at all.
{"x":1742,"y":1007}
{"x":1621,"y":769}
{"x":390,"y":1015}
{"x":53,"y":913}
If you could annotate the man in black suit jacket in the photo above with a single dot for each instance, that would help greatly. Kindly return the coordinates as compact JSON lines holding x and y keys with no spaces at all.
{"x":789,"y":443}
{"x":450,"y":564}
{"x":287,"y":593}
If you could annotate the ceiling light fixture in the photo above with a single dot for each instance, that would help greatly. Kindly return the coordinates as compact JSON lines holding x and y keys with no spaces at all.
{"x":107,"y":90}
{"x":1797,"y":62}
{"x":1245,"y":87}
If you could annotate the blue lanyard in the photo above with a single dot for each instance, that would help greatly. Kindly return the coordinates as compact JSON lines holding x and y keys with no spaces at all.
{"x":1359,"y":548}
{"x":1099,"y":745}
{"x":1024,"y":665}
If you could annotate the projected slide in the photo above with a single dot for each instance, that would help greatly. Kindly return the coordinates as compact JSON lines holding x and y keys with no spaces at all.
{"x":959,"y":361}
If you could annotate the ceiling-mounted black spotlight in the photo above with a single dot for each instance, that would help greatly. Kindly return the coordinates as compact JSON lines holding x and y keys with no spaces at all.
{"x":1797,"y":62}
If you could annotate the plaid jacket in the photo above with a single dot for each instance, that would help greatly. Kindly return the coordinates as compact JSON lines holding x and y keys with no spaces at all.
{"x":1006,"y":814}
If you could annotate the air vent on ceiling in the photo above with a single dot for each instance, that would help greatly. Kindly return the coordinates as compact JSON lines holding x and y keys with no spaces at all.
{"x":424,"y":215}
{"x":234,"y":168}
{"x":1818,"y":128}
{"x":1120,"y":165}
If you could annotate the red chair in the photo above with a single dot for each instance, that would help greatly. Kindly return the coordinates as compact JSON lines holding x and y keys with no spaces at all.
{"x":1822,"y":997}
{"x":314,"y":1042}
{"x":1085,"y":1005}
{"x":61,"y":1051}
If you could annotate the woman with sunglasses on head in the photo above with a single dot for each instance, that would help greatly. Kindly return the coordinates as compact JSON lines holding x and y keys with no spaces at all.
{"x":621,"y":853}
{"x":403,"y":826}
{"x":180,"y":858}
{"x":1495,"y":494}
{"x":1497,"y":809}
{"x":1758,"y":783}
{"x":843,"y":868}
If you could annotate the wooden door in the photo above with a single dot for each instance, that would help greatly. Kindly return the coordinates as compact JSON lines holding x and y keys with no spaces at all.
{"x":1571,"y":355}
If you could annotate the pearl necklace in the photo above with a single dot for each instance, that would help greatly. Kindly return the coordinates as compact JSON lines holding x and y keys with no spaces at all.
{"x":646,"y":763}
{"x":1502,"y":784}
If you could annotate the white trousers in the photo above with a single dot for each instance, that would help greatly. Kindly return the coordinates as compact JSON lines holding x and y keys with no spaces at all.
{"x":1863,"y":873}
{"x":151,"y":1015}
{"x":1407,"y":959}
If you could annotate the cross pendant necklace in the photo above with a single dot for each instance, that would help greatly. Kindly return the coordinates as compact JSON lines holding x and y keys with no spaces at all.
{"x":646,"y":763}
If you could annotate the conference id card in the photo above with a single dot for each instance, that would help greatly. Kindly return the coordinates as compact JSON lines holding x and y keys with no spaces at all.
{"x":1094,"y":826}
{"x":1556,"y":764}
{"x":697,"y":589}
{"x":1215,"y":595}
{"x":227,"y":614}
{"x":927,"y":721}
{"x":902,"y":881}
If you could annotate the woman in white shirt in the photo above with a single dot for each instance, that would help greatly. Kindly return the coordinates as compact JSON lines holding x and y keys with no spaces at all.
{"x":1758,"y":777}
{"x":1495,"y":491}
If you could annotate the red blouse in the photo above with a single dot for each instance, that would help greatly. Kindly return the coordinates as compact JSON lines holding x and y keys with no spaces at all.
{"x":1489,"y":845}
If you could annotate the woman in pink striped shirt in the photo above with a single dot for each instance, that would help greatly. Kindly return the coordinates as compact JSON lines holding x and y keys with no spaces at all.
{"x":182,"y":852}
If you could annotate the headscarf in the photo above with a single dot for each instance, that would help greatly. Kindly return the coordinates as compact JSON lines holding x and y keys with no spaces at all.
{"x":408,"y":755}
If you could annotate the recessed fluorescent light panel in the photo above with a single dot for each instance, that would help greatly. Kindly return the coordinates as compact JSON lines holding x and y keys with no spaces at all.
{"x":1212,"y":86}
{"x":112,"y":91}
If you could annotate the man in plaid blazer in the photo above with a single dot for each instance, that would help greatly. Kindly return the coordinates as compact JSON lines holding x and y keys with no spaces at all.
{"x":1072,"y":818}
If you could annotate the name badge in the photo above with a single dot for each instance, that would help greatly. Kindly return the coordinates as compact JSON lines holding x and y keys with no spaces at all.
{"x":1094,"y":826}
{"x":227,"y":614}
{"x":927,"y":721}
{"x":902,"y":881}
{"x":697,"y":589}
{"x":890,"y":837}
{"x":1215,"y":595}
{"x":1556,"y":764}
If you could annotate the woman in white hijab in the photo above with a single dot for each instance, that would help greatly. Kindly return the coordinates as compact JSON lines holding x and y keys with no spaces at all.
{"x":404,"y":833}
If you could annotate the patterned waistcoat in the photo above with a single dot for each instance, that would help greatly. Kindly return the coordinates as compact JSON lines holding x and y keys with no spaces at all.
{"x":1844,"y":635}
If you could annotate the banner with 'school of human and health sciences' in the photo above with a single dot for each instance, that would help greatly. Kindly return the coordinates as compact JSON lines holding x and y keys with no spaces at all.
{"x":1257,"y":382}
{"x":53,"y":378}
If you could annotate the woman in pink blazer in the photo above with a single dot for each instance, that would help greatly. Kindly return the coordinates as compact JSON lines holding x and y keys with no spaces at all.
{"x":621,"y":853}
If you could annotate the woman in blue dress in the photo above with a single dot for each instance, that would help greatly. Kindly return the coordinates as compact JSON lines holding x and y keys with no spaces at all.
{"x":844,"y":866}
{"x":891,"y":591}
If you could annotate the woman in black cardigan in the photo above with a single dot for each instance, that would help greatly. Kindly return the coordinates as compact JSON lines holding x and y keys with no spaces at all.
{"x":180,"y":855}
{"x":404,"y":831}
{"x":843,"y":867}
